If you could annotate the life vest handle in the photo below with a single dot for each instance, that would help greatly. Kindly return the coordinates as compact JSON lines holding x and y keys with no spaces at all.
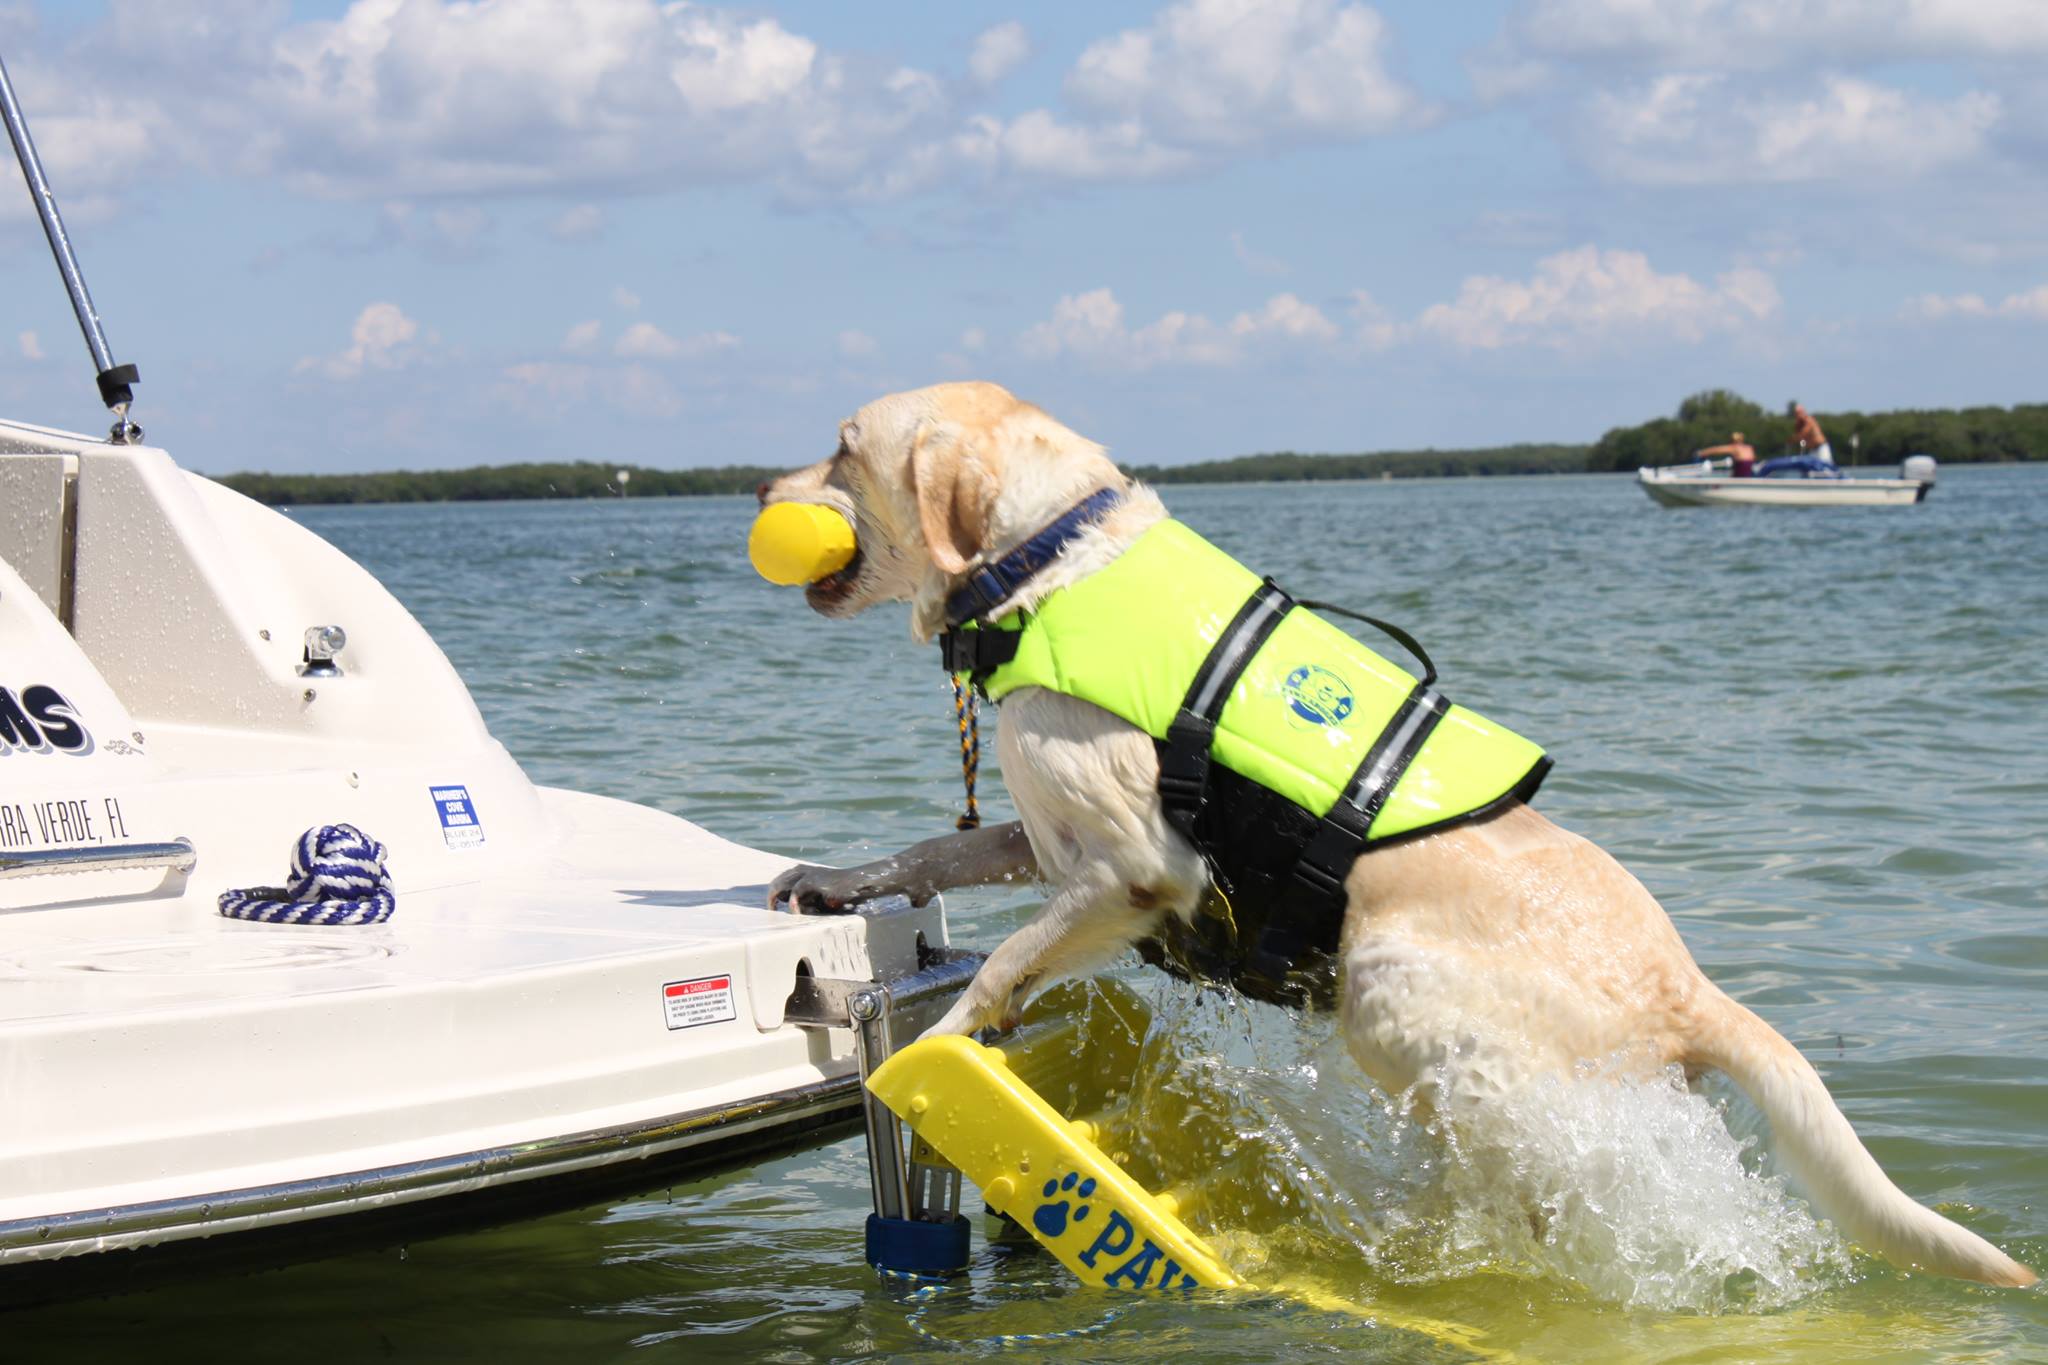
{"x":1400,"y":636}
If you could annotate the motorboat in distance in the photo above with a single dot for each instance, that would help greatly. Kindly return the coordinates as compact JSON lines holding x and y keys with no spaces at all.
{"x":1711,"y":483}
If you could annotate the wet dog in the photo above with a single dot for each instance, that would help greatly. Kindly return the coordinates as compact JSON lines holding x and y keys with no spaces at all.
{"x":1472,"y":959}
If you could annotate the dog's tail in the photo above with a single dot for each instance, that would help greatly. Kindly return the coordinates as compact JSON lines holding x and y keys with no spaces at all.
{"x":1828,"y":1159}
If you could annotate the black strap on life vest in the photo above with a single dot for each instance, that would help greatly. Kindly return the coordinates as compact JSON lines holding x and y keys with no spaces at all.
{"x":1184,"y":753}
{"x":1327,"y":858}
{"x":1386,"y":628}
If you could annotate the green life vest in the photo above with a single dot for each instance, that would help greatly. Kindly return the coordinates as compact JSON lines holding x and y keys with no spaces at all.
{"x":1303,"y":715}
{"x":1282,"y":763}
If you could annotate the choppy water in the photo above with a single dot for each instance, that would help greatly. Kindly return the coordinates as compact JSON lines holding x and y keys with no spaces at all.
{"x":1818,"y":737}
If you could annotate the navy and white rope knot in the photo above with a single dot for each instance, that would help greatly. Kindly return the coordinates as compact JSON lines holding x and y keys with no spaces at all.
{"x":338,"y":877}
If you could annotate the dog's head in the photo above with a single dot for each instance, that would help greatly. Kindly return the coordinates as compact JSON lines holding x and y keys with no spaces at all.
{"x":935,"y":482}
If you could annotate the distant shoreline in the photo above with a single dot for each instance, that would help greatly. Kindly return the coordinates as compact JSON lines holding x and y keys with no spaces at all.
{"x":1986,"y":435}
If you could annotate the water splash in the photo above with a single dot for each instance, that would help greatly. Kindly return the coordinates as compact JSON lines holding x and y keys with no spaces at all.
{"x":1631,"y":1190}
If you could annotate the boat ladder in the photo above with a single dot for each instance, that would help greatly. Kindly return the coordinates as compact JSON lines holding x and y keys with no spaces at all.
{"x":916,"y":1228}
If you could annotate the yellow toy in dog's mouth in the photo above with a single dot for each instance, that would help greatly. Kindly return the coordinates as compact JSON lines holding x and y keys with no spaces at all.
{"x":793,"y":543}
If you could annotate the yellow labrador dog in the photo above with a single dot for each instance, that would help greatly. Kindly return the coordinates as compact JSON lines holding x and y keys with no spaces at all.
{"x":1471,"y":959}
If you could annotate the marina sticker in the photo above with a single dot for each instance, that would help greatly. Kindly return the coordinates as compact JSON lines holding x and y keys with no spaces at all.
{"x":459,"y":826}
{"x":704,"y":1000}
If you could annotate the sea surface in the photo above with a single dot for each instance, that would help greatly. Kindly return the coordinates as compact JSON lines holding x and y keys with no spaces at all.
{"x":1819,"y":737}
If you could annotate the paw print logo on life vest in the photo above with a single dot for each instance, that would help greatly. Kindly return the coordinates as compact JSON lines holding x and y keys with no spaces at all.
{"x":1051,"y":1218}
{"x":1316,"y":696}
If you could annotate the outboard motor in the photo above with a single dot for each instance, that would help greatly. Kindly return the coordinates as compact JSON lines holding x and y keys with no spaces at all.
{"x":1919,"y":468}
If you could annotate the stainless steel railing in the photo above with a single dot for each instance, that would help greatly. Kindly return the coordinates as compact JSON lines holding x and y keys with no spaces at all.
{"x":176,"y":856}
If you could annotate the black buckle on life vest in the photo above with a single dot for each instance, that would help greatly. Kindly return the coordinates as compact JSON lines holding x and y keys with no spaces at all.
{"x":1326,"y":859}
{"x":1184,"y":769}
{"x":978,"y":653}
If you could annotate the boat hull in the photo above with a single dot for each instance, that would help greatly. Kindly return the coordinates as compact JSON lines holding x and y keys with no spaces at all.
{"x":1671,"y":489}
{"x":575,"y":996}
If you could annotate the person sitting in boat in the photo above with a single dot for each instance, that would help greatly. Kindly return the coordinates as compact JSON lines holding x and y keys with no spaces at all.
{"x":1741,"y":455}
{"x":1815,"y":459}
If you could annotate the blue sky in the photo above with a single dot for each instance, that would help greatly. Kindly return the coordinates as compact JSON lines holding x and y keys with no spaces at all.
{"x":412,"y":233}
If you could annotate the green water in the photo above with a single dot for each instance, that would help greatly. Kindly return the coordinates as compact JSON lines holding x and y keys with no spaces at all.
{"x":1818,"y":737}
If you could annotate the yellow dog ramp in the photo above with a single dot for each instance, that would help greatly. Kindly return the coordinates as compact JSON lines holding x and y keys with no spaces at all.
{"x":963,"y":1101}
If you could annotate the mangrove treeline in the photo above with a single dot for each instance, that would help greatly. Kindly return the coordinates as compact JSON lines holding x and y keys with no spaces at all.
{"x":488,"y":483}
{"x":1953,"y":435}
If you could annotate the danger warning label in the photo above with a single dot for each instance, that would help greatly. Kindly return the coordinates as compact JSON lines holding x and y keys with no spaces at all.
{"x":706,"y":1000}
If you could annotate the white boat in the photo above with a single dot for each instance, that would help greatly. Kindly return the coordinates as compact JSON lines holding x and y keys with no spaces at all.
{"x":574,"y":998}
{"x":1710,"y":483}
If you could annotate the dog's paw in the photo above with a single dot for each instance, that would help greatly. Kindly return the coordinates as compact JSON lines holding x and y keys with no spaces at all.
{"x":964,"y":1018}
{"x":811,"y":890}
{"x":984,"y":1004}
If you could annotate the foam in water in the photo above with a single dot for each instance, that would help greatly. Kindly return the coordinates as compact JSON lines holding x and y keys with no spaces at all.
{"x":1631,"y":1189}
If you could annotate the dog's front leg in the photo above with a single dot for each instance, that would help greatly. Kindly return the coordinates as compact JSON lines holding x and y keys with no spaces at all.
{"x":976,"y":857}
{"x":1087,"y":921}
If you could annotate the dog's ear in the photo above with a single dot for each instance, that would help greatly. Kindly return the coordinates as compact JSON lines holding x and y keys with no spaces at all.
{"x":955,"y":489}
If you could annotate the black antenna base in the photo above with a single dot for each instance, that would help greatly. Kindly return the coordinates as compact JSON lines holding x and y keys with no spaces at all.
{"x":115,"y":386}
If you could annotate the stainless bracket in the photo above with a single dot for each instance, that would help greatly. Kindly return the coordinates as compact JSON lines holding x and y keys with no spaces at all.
{"x":916,"y":1185}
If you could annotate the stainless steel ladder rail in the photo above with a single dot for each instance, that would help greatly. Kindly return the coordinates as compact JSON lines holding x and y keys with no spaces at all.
{"x":911,"y":1196}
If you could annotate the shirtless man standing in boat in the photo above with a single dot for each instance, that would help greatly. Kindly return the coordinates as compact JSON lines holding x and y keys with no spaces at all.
{"x":1807,"y":435}
{"x":1815,"y":460}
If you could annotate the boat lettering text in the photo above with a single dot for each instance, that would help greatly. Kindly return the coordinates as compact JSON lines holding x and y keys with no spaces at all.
{"x":39,"y":719}
{"x":61,"y":823}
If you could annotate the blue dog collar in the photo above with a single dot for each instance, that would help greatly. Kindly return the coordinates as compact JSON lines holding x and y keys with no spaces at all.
{"x":991,"y":585}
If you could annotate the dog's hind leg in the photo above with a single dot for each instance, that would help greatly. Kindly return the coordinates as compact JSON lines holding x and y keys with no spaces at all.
{"x":977,"y":857}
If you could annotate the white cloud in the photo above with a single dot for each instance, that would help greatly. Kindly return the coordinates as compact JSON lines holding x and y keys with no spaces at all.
{"x":1229,"y":73}
{"x":1589,"y":295}
{"x":381,"y":339}
{"x":577,"y":224}
{"x":31,"y":346}
{"x":857,"y":345}
{"x":1038,"y":144}
{"x":1762,"y":34}
{"x":626,"y":299}
{"x":1256,"y":262}
{"x":2030,"y":305}
{"x":645,"y":341}
{"x":583,"y":336}
{"x":1091,"y":326}
{"x":973,"y":339}
{"x":1376,"y":327}
{"x":1693,"y":129}
{"x":436,"y":97}
{"x":998,"y":52}
{"x":447,"y":99}
{"x":450,"y":232}
{"x":462,"y":227}
{"x":94,"y":140}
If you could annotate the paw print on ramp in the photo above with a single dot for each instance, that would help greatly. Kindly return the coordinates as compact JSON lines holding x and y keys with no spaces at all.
{"x":1051,"y":1218}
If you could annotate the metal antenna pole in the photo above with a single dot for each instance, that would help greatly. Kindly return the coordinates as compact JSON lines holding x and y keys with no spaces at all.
{"x":116,"y":381}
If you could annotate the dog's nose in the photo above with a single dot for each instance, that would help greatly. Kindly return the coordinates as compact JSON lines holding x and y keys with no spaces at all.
{"x":761,"y":492}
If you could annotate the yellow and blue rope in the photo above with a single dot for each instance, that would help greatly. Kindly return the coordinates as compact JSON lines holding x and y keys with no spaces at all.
{"x":967,"y":712}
